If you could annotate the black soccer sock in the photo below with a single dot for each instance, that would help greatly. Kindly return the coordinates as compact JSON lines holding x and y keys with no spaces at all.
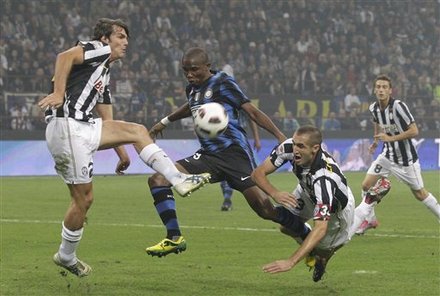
{"x":292,"y":222}
{"x":226,"y":190}
{"x":305,"y":232}
{"x":166,"y":208}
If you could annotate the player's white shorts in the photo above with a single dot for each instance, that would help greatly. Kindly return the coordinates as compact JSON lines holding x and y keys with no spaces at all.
{"x":72,"y":144}
{"x":410,"y":175}
{"x":339,"y":224}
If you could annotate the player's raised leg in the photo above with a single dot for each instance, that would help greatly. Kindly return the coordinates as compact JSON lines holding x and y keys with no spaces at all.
{"x":115,"y":133}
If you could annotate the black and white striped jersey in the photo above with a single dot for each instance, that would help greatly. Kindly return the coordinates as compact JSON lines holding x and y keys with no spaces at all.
{"x":324,"y":182}
{"x":394,"y":120}
{"x":87,"y":84}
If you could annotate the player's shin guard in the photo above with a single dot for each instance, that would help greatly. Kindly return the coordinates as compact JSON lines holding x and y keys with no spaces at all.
{"x":158,"y":160}
{"x":226,"y":190}
{"x":166,"y":208}
{"x":69,"y":243}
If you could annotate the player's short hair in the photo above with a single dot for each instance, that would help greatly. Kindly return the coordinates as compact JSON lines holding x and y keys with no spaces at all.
{"x":197,"y":52}
{"x":104,"y":28}
{"x":314,"y":133}
{"x":383,"y":77}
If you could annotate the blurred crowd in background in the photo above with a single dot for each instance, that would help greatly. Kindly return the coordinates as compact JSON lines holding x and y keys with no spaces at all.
{"x":278,"y":51}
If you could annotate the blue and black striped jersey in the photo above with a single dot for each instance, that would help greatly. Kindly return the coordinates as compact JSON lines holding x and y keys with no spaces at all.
{"x":87,"y":84}
{"x":222,"y":89}
{"x":394,"y":120}
{"x":323,"y":181}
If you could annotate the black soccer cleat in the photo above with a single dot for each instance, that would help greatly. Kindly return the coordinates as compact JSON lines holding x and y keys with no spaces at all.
{"x":319,"y":269}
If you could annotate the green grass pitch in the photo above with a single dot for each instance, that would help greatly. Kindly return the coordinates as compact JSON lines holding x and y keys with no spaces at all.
{"x":226,"y":250}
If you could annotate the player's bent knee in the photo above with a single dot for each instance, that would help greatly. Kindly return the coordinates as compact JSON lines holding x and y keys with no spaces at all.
{"x":420,"y":194}
{"x":82,"y":196}
{"x":88,"y":202}
{"x":84,"y":203}
{"x":157,"y":180}
{"x":139,"y":130}
{"x":133,"y":130}
{"x":366,"y":185}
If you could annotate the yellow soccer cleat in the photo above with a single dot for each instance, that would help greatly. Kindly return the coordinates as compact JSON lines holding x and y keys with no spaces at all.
{"x":167,"y":246}
{"x":310,"y":261}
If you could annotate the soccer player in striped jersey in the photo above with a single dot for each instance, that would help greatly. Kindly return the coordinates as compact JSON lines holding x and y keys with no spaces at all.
{"x":394,"y":125}
{"x":227,"y":157}
{"x":73,"y":135}
{"x":322,"y":194}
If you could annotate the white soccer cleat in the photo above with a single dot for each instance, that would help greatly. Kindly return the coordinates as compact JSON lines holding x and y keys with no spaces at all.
{"x":366,"y":225}
{"x":192,"y":183}
{"x":378,"y":191}
{"x":80,"y":268}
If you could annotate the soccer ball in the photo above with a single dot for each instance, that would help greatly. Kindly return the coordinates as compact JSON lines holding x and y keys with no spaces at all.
{"x":210,"y":120}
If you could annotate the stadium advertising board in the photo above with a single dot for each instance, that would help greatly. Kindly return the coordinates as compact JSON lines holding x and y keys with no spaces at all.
{"x":32,"y":158}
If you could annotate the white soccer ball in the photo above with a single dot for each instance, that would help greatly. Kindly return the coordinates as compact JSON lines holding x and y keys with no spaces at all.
{"x":210,"y":120}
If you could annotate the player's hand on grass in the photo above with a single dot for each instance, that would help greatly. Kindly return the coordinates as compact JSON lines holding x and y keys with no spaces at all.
{"x":53,"y":100}
{"x":278,"y":266}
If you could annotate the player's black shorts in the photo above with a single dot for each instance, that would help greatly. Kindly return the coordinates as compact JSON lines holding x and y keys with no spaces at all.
{"x":232,"y":164}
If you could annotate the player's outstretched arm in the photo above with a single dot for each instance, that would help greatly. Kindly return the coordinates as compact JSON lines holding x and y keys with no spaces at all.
{"x":181,"y":112}
{"x":256,"y":134}
{"x":313,"y":238}
{"x":157,"y":129}
{"x":375,"y":143}
{"x":124,"y":160}
{"x":259,"y":176}
{"x":264,"y":121}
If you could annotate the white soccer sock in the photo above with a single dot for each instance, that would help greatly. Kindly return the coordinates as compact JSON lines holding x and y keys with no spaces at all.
{"x":432,"y":204}
{"x":69,"y":243}
{"x":155,"y":158}
{"x":362,"y":211}
{"x":371,"y":216}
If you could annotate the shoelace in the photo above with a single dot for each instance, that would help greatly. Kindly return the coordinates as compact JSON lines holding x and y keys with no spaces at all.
{"x":74,"y":269}
{"x":195,"y":179}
